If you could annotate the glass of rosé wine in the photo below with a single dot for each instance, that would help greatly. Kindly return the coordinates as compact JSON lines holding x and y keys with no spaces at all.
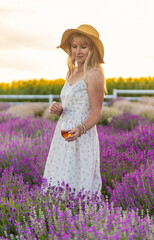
{"x":65,"y":128}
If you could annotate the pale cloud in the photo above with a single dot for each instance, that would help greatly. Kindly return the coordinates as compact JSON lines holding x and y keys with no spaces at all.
{"x":22,"y":28}
{"x":21,"y":60}
{"x":13,"y":38}
{"x":29,"y":64}
{"x":33,"y":60}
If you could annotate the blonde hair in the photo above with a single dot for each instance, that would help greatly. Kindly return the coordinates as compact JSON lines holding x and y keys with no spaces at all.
{"x":92,"y":60}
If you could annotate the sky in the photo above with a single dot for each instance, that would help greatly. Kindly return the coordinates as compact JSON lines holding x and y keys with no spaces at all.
{"x":30,"y":30}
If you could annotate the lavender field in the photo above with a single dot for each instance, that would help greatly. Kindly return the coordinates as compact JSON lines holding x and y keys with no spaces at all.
{"x":123,"y":211}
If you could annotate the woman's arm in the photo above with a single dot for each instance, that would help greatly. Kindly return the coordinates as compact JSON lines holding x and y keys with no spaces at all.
{"x":95,"y":86}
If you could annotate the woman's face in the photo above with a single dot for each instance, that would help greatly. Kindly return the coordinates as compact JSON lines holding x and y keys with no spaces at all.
{"x":79,"y":50}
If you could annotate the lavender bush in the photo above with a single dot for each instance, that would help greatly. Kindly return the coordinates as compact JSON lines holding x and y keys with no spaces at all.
{"x":113,"y":100}
{"x":135,"y":190}
{"x":127,"y":121}
{"x":123,"y":152}
{"x":4,"y":106}
{"x":24,"y":144}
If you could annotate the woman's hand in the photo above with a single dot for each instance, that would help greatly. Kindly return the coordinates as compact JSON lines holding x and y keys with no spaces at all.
{"x":56,"y":108}
{"x":75,"y":133}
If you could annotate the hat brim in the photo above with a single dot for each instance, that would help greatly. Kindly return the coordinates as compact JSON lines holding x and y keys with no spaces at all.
{"x":68,"y":33}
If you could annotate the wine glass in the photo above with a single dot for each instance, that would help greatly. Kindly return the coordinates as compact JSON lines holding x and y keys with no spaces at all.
{"x":65,"y":128}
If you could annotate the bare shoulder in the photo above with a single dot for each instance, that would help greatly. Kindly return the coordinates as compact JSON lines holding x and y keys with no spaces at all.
{"x":94,"y":76}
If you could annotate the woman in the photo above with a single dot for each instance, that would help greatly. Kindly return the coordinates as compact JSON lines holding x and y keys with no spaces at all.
{"x":82,"y":98}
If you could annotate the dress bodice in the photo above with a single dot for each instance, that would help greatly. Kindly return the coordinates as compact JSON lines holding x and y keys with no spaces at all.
{"x":75,"y":98}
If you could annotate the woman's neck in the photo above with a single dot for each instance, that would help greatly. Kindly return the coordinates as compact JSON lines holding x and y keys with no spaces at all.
{"x":80,"y":68}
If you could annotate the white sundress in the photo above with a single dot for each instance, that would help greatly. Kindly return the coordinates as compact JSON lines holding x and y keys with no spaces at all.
{"x":80,"y":165}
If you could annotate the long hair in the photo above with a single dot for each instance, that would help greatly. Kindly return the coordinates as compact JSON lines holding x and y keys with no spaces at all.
{"x":92,"y":60}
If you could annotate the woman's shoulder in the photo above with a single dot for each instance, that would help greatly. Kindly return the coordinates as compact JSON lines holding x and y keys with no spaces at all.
{"x":94,"y":74}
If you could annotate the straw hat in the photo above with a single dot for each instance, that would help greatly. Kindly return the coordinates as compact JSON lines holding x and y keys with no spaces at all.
{"x":89,"y":32}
